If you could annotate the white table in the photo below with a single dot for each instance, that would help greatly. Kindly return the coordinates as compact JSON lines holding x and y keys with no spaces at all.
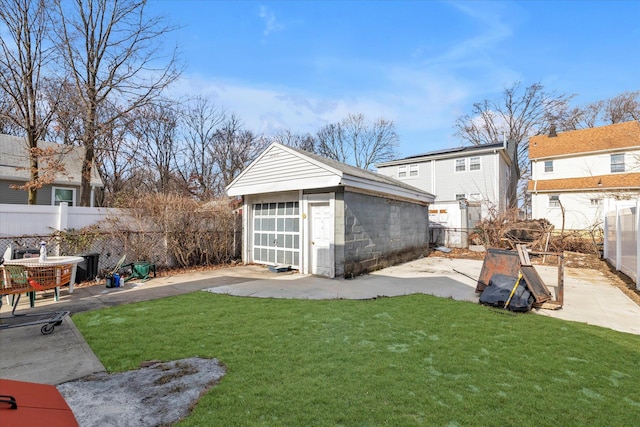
{"x":51,"y":262}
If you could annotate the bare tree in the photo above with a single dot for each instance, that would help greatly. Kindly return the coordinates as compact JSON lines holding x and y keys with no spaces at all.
{"x":110,"y":50}
{"x":66,"y":126}
{"x":155,"y":130}
{"x":201,"y":120}
{"x":330,"y":142}
{"x":622,"y":108}
{"x":356,"y":141}
{"x":7,"y":127}
{"x":517,"y":115}
{"x":303,"y":141}
{"x":116,"y":154}
{"x":233,"y":149}
{"x":586,"y":117}
{"x":23,"y":55}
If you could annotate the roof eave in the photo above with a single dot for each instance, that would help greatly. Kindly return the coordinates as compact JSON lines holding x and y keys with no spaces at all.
{"x":389,"y":189}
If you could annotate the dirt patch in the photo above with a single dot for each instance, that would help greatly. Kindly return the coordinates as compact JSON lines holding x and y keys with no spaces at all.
{"x":157,"y":394}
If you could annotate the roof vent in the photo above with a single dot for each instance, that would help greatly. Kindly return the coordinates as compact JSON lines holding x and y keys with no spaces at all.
{"x":552,"y":131}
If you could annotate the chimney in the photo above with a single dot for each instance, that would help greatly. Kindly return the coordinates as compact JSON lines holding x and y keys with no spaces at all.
{"x":552,"y":131}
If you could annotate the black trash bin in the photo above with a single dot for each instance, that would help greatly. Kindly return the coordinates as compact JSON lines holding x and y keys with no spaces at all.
{"x":87,"y":268}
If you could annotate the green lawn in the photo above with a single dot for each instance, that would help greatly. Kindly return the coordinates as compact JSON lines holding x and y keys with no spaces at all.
{"x":414,"y":360}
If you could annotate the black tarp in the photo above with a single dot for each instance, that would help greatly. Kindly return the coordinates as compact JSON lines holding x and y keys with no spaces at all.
{"x":499,"y":289}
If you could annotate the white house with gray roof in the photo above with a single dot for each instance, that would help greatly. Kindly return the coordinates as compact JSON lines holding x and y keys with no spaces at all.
{"x":64,"y":185}
{"x":324,"y":217}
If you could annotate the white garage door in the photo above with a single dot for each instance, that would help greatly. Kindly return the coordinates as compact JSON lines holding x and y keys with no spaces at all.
{"x":276,"y":233}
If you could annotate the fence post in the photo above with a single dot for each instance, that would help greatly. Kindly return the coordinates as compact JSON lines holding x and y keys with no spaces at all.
{"x":63,"y":220}
{"x":63,"y":213}
{"x":605,"y":243}
{"x":618,"y":240}
{"x":638,"y":245}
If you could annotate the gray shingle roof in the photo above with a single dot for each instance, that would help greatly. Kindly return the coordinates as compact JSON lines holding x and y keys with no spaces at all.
{"x":14,"y":161}
{"x":360,"y":173}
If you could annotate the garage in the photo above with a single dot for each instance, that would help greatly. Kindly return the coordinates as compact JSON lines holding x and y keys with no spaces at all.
{"x":276,"y":233}
{"x":320,"y":216}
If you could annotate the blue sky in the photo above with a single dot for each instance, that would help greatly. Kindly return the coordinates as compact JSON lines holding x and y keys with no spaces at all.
{"x":297,"y":65}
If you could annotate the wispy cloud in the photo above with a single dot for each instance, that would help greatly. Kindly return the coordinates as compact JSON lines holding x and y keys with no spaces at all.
{"x":479,"y":51}
{"x":271,"y":24}
{"x":494,"y":30}
{"x":423,"y":96}
{"x":418,"y":102}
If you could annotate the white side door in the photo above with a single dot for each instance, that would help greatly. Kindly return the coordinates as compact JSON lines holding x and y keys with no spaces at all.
{"x":321,"y":232}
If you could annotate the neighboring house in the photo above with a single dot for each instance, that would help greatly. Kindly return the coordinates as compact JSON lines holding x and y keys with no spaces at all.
{"x":65,"y":182}
{"x":324,"y":217}
{"x":583,"y":173}
{"x":470,"y":183}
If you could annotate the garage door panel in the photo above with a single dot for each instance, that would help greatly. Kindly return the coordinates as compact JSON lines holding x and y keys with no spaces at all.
{"x":276,"y":232}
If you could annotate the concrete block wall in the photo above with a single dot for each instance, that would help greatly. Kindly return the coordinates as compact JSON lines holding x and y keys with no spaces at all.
{"x":379,"y":232}
{"x":339,"y":225}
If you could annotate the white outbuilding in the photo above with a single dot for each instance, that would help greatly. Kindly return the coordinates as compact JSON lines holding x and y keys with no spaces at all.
{"x":320,"y":216}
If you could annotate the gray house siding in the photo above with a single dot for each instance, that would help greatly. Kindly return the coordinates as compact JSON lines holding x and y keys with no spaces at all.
{"x":482,"y":181}
{"x":14,"y":170}
{"x":423,"y":180}
{"x":20,"y":197}
{"x":503,"y":184}
{"x":379,"y":232}
{"x":11,"y":196}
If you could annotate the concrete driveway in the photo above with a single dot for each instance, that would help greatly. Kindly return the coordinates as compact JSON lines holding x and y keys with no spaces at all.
{"x":589,"y":296}
{"x":63,"y":356}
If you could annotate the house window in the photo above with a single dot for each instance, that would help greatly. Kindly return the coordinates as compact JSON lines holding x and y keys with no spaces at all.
{"x":461,"y":196}
{"x":474,"y":164}
{"x":402,"y":171}
{"x":460,"y":165}
{"x":63,"y":195}
{"x":596,"y":202}
{"x":548,"y":166}
{"x":617,"y":163}
{"x":413,"y":170}
{"x":554,"y":201}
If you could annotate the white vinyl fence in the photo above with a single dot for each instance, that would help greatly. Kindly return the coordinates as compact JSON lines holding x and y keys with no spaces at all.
{"x":24,"y":226}
{"x":622,"y":240}
{"x":35,"y":220}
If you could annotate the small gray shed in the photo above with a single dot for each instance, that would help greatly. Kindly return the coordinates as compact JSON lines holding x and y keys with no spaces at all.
{"x":324,"y":217}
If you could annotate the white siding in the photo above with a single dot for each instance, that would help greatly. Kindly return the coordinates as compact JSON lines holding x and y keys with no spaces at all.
{"x":583,"y":166}
{"x":579,"y":212}
{"x":279,"y":170}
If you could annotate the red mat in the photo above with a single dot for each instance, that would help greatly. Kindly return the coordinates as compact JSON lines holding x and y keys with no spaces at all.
{"x":37,"y":405}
